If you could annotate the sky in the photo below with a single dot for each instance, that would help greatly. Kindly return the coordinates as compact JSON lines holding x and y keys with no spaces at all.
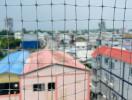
{"x":44,"y":14}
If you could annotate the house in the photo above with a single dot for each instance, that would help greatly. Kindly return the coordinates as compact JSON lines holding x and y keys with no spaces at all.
{"x":63,"y":38}
{"x":81,"y":45}
{"x":43,"y":38}
{"x":83,"y":51}
{"x":54,"y":75}
{"x":18,"y":35}
{"x":127,"y":41}
{"x":10,"y":68}
{"x":30,"y":41}
{"x":112,"y":73}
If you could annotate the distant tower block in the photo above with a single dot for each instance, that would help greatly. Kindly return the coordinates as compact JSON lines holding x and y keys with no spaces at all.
{"x":9,"y":24}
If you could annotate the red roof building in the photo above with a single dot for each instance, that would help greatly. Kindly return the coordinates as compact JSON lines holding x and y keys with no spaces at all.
{"x":115,"y":53}
{"x":112,"y":71}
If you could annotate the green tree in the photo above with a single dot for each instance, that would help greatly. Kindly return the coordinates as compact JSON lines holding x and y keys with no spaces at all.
{"x":5,"y":32}
{"x":9,"y":42}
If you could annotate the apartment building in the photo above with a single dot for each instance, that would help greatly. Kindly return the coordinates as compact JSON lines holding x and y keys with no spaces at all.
{"x":112,"y":70}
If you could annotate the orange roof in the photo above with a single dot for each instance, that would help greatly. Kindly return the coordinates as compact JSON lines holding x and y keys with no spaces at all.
{"x":45,"y":58}
{"x":115,"y":53}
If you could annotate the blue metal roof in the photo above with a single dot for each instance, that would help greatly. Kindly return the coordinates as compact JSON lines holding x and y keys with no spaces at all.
{"x":30,"y":44}
{"x":14,"y":62}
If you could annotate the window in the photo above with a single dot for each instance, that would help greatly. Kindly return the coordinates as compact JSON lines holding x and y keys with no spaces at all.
{"x":112,"y":79}
{"x":94,"y":71}
{"x":83,"y":47}
{"x":116,"y":60}
{"x":77,"y":47}
{"x":114,"y":96}
{"x":111,"y":65}
{"x":107,"y":76}
{"x":51,"y":86}
{"x":9,"y":88}
{"x":130,"y":71}
{"x":106,"y":60}
{"x":38,"y":87}
{"x":98,"y":58}
{"x":94,"y":83}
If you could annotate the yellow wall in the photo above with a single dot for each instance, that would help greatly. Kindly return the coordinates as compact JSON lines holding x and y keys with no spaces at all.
{"x":6,"y":78}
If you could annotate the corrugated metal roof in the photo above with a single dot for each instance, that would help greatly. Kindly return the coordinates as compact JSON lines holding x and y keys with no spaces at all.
{"x":115,"y":53}
{"x":30,"y":37}
{"x":14,"y":62}
{"x":45,"y":58}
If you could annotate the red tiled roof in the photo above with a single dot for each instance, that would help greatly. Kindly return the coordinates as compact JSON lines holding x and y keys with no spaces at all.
{"x":45,"y":58}
{"x":115,"y":53}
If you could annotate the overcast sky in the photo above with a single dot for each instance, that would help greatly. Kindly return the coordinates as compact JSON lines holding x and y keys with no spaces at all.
{"x":44,"y":14}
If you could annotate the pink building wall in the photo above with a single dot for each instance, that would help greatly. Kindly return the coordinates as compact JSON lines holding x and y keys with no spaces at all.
{"x":10,"y":97}
{"x":68,"y":91}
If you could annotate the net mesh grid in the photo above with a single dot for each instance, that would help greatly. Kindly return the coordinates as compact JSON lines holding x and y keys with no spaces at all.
{"x":64,"y":15}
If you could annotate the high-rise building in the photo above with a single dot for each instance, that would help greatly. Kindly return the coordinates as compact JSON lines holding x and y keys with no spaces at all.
{"x":9,"y":24}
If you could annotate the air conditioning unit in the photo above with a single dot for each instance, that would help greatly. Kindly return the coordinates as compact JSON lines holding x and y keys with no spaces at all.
{"x":105,"y":80}
{"x":110,"y":84}
{"x":104,"y":96}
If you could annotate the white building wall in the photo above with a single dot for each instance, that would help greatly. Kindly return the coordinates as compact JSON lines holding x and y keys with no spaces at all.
{"x":108,"y":79}
{"x":18,"y":35}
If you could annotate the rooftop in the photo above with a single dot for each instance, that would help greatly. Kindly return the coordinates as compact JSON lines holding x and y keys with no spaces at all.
{"x":44,"y":58}
{"x":115,"y":53}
